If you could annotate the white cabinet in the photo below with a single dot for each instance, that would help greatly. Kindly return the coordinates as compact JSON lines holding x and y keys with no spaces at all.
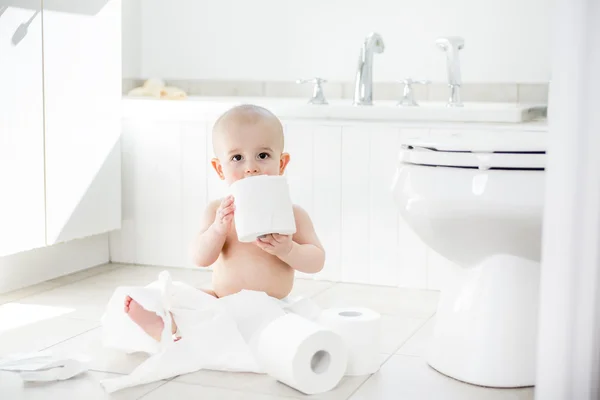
{"x":82,"y":89}
{"x":164,"y":192}
{"x":21,"y":129}
{"x":60,"y":95}
{"x":384,"y":263}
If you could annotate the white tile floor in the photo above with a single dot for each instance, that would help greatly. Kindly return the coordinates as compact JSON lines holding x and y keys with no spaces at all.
{"x":63,"y":315}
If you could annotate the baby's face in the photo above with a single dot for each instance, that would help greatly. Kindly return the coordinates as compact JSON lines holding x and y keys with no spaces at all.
{"x":245,"y":150}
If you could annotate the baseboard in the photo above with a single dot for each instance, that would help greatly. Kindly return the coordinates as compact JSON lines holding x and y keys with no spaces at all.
{"x":39,"y":265}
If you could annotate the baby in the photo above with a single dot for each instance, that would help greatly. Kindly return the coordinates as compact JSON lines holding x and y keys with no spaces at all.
{"x":247,"y":141}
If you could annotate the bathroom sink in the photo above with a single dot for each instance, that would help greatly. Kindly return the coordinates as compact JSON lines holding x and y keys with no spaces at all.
{"x":426,"y":111}
{"x":343,"y":109}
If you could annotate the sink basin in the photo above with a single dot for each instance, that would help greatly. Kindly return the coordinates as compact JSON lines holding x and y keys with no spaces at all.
{"x":343,"y":109}
{"x":426,"y":111}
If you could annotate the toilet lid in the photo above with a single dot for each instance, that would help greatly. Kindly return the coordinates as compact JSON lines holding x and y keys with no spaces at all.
{"x":477,"y":149}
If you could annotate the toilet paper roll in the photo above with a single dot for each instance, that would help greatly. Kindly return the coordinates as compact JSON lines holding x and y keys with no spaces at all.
{"x":302,"y":354}
{"x":360,"y":328}
{"x":262,"y":206}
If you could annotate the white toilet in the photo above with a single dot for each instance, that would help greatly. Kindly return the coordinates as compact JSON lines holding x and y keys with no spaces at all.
{"x":476,"y":198}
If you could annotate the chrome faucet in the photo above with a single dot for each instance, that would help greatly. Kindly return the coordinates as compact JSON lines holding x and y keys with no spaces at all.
{"x":363,"y":86}
{"x":451,"y":45}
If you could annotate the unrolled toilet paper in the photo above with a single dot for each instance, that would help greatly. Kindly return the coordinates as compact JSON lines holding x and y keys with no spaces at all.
{"x":44,"y":366}
{"x":262,"y":206}
{"x":360,"y":328}
{"x":302,"y":306}
{"x":302,"y":354}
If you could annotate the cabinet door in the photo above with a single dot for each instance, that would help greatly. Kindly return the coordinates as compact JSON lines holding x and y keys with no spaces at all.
{"x":355,"y":205}
{"x":82,"y":88}
{"x":327,"y":195}
{"x":22,"y":225}
{"x":152,"y":231}
{"x":299,"y":173}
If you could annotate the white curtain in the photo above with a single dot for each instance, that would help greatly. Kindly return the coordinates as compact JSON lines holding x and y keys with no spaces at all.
{"x":569,"y":327}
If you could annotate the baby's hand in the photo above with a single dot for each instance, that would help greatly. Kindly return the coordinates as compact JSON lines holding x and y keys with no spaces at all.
{"x":278,"y":245}
{"x":224,"y":216}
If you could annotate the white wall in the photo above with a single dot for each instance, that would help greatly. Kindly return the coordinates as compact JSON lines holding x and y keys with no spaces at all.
{"x":131,"y":49}
{"x":506,"y":41}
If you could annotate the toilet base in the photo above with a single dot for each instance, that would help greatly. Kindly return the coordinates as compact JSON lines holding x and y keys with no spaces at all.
{"x":486,"y":324}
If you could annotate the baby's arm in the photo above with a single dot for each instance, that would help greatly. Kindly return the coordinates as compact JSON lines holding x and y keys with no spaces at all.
{"x":208,"y":244}
{"x":307,"y":253}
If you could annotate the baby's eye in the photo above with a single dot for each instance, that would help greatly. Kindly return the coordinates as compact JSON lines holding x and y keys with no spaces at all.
{"x":263,"y":156}
{"x":237,"y":157}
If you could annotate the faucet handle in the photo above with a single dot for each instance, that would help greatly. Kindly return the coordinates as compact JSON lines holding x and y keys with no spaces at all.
{"x":446,"y":42}
{"x":316,"y":79}
{"x":408,"y":99}
{"x":318,"y":97}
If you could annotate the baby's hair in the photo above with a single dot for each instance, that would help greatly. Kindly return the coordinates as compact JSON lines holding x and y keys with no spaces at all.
{"x":247,"y":113}
{"x":250,"y":111}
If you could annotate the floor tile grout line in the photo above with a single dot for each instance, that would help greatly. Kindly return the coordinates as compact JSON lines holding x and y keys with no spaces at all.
{"x":389,"y":356}
{"x":406,"y":355}
{"x":322,"y":290}
{"x":244,"y":390}
{"x":106,"y":372}
{"x":394,"y":353}
{"x":413,"y":335}
{"x":152,"y":390}
{"x":379,"y":286}
{"x":59,"y":285}
{"x":359,"y":386}
{"x":87,"y":270}
{"x":70,"y":338}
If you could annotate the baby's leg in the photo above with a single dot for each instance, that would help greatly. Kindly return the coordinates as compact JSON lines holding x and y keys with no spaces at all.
{"x":151,"y":323}
{"x":211,"y":292}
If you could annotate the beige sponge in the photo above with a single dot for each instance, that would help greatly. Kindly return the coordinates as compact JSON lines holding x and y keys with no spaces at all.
{"x":156,"y":88}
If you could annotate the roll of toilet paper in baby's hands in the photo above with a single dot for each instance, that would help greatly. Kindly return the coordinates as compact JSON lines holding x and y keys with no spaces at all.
{"x":302,"y":354}
{"x":262,"y":206}
{"x":360,"y":329}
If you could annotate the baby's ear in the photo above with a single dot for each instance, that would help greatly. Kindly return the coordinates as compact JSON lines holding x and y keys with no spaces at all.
{"x":217,"y":167}
{"x":283,"y":162}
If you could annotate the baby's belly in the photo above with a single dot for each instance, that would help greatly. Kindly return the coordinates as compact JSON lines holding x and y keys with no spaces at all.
{"x":247,"y":270}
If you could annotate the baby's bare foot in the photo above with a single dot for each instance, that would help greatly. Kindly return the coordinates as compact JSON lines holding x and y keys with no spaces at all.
{"x":151,"y":323}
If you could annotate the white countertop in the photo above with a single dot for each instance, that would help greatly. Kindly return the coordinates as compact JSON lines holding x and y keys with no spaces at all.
{"x":501,"y":115}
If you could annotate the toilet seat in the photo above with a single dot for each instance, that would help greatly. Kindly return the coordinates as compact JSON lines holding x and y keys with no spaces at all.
{"x":478,"y":150}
